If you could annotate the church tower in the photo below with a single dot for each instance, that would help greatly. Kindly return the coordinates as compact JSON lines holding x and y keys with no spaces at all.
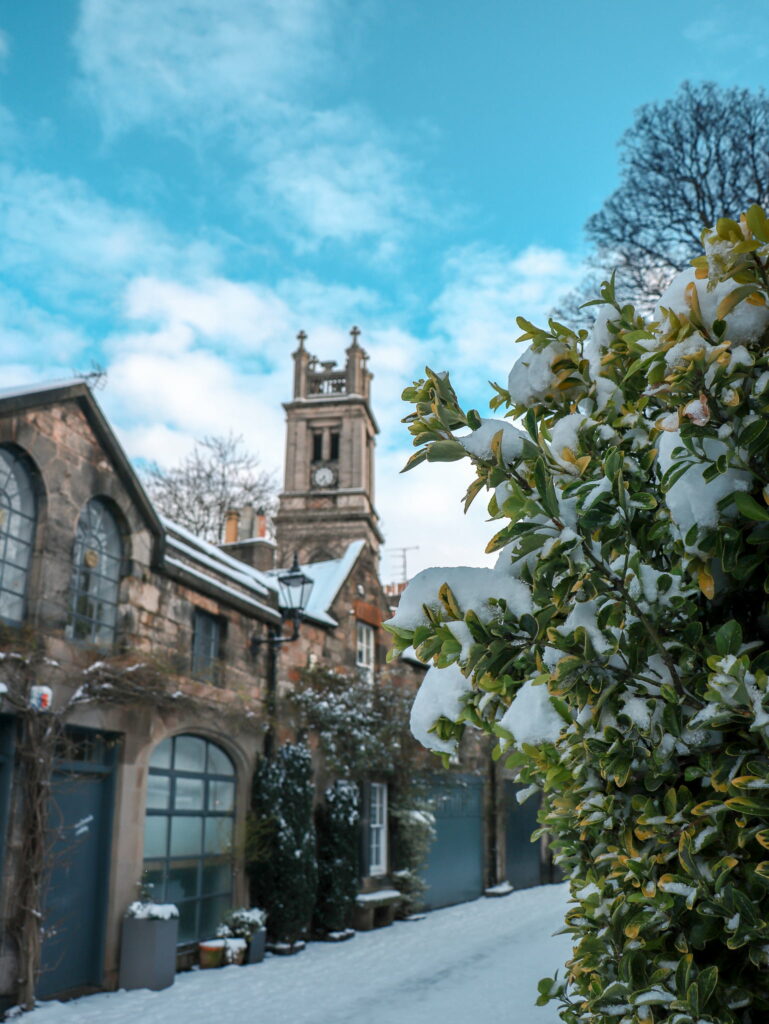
{"x":328,"y":490}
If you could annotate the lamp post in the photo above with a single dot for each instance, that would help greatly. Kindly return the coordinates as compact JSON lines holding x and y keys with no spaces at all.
{"x":294,"y":589}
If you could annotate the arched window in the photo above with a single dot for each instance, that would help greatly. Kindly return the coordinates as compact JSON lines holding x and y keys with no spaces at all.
{"x":17,"y":533}
{"x":95,"y":575}
{"x":188,"y":832}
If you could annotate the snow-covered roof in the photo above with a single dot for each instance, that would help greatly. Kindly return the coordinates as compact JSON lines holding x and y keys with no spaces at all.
{"x":327,"y":580}
{"x":207,"y":563}
{"x":40,"y":387}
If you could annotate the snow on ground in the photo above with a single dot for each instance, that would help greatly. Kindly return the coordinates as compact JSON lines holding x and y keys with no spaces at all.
{"x":476,"y":962}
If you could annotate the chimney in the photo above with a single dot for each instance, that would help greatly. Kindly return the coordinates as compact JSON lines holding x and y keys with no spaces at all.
{"x":231,"y":523}
{"x":261,"y":522}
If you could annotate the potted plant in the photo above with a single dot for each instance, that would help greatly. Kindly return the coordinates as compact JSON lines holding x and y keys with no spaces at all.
{"x":148,"y":945}
{"x":247,"y":924}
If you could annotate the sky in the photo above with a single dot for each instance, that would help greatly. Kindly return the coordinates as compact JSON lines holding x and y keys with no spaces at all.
{"x":186,"y":184}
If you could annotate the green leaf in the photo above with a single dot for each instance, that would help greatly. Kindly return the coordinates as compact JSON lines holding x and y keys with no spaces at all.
{"x":757,"y":222}
{"x":729,"y":638}
{"x":414,"y":460}
{"x":444,"y":451}
{"x":749,"y":507}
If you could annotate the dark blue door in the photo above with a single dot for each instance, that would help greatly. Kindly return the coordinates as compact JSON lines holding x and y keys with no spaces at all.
{"x":454,"y":868}
{"x":80,"y":833}
{"x":522,"y":857}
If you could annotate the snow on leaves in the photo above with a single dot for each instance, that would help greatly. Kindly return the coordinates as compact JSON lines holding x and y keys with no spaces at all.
{"x":631,"y":504}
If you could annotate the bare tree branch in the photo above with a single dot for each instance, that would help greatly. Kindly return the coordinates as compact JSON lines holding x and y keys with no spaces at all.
{"x":701,"y":155}
{"x":218,"y":475}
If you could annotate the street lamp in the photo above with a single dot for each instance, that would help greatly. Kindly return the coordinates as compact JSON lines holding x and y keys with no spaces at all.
{"x":293,"y":594}
{"x":294,"y":588}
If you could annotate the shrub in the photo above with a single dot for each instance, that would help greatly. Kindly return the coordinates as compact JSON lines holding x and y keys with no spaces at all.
{"x":281,"y":852}
{"x":337,"y":823}
{"x":619,"y":646}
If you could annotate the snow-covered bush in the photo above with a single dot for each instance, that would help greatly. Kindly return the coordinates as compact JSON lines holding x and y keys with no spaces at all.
{"x":362,"y":726}
{"x":337,"y":825}
{"x":242,"y":923}
{"x":281,"y":855}
{"x":619,"y":649}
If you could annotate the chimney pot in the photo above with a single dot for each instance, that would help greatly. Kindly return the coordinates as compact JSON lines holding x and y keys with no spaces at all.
{"x":231,"y":524}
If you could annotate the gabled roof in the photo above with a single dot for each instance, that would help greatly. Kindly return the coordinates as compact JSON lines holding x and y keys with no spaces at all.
{"x":17,"y":399}
{"x":327,"y":580}
{"x":176,"y":552}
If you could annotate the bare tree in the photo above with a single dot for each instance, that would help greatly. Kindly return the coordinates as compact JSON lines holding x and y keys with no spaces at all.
{"x":701,"y":155}
{"x":218,"y":475}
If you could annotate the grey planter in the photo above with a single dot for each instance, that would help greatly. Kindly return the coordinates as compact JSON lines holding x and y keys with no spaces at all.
{"x":256,"y":947}
{"x":148,"y":953}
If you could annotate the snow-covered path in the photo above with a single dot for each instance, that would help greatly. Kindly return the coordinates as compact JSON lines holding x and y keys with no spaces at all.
{"x":477,"y":963}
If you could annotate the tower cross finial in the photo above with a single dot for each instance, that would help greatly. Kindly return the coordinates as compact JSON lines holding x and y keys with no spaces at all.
{"x":355,"y":334}
{"x":301,"y":338}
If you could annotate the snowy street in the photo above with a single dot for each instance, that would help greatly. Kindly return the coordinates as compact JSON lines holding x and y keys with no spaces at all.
{"x":477,"y":962}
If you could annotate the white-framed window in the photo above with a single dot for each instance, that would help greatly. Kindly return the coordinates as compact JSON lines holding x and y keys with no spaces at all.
{"x":364,"y":653}
{"x":377,"y":836}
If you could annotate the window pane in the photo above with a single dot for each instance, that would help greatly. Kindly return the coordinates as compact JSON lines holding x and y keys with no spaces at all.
{"x":221,"y":795}
{"x":182,"y":882}
{"x":186,"y":835}
{"x":161,"y":755}
{"x":218,"y":835}
{"x":190,"y":754}
{"x":11,"y":607}
{"x":217,"y":876}
{"x":211,"y":913}
{"x":155,"y":836}
{"x":218,"y":762}
{"x":190,"y":794}
{"x":158,"y":792}
{"x":188,"y":913}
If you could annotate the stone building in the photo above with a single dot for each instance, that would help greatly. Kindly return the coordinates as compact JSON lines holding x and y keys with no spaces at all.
{"x":93,"y":584}
{"x":146,"y":639}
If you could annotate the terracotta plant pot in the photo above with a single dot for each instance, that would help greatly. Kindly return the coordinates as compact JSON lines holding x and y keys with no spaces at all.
{"x":211,"y":953}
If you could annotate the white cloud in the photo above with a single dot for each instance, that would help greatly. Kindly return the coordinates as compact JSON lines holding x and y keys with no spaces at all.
{"x":241,"y":77}
{"x":423,"y":508}
{"x":337,"y":176}
{"x":238,"y":316}
{"x":65,"y":242}
{"x":198,"y":64}
{"x":36,"y":336}
{"x":484,"y":293}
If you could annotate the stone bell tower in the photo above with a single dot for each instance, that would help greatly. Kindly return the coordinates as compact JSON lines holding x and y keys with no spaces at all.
{"x":328,"y":489}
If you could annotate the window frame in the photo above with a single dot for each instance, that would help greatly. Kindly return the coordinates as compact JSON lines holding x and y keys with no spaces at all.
{"x":378,"y":832}
{"x":207,"y":648}
{"x":158,"y":868}
{"x":19,"y":469}
{"x":365,"y":648}
{"x":105,"y":595}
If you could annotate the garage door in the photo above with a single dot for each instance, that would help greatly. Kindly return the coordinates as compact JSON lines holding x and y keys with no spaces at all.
{"x":454,"y":869}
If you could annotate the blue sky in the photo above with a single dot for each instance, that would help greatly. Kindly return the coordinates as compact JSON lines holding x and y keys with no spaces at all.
{"x":184,"y":184}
